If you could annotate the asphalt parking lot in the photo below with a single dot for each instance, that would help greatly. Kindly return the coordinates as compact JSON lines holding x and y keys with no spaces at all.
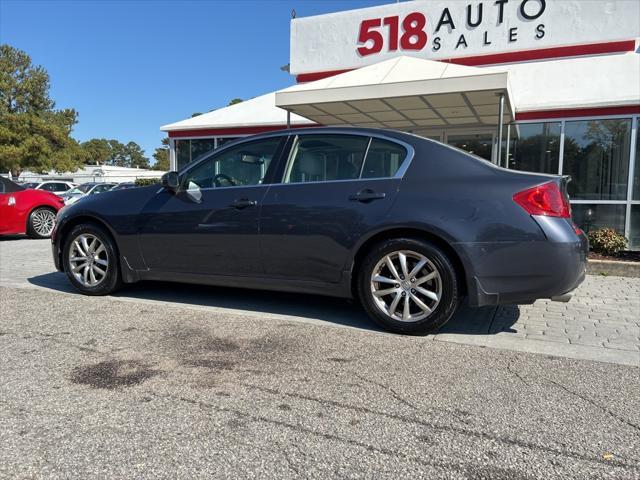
{"x":195,"y":382}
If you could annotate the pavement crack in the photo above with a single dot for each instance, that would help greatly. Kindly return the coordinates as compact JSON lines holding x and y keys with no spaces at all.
{"x":595,"y":404}
{"x":446,"y":428}
{"x":515,"y":372}
{"x":393,"y":393}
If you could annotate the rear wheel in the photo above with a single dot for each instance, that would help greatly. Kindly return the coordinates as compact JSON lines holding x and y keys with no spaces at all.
{"x":408,"y":286}
{"x":41,"y":222}
{"x":91,"y":261}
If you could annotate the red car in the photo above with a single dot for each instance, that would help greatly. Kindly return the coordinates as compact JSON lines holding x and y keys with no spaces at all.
{"x":27,"y":211}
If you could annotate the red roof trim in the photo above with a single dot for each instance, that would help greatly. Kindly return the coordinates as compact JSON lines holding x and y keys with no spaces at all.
{"x":578,"y":112}
{"x":511,"y":57}
{"x":208,"y":132}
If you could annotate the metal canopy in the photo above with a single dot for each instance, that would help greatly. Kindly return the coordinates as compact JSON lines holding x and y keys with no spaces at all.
{"x":403,"y":93}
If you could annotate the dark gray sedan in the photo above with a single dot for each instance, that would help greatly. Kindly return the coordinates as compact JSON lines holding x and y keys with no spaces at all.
{"x":406,"y":225}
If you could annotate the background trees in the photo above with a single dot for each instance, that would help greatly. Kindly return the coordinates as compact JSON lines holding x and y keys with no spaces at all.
{"x":161,"y":156}
{"x":33,"y":134}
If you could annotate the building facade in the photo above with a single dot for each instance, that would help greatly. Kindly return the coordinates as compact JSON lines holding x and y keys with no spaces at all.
{"x":547,"y":86}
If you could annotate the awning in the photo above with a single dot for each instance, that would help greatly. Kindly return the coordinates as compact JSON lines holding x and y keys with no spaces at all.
{"x":403,"y":93}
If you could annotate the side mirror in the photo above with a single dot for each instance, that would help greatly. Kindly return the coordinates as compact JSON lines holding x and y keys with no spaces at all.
{"x":170,"y":181}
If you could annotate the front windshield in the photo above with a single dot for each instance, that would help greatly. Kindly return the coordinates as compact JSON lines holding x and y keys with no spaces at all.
{"x":79,"y":190}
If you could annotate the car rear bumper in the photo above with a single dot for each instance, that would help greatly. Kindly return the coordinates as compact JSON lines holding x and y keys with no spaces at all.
{"x":523,"y":272}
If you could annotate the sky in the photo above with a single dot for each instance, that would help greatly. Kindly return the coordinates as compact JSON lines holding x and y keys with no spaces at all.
{"x":129,"y":67}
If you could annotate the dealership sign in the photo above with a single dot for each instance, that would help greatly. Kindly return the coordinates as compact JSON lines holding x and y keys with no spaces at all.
{"x":449,"y":29}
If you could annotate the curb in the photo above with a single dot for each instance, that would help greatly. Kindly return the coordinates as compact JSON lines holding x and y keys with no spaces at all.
{"x":613,"y":268}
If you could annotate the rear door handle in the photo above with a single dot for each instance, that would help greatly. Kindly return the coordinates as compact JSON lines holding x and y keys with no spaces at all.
{"x":367,"y":195}
{"x":243,"y":203}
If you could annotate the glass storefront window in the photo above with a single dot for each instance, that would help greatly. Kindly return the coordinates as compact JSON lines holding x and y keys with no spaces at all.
{"x":636,"y":169}
{"x":535,"y":147}
{"x":200,"y":146}
{"x":596,"y":155}
{"x":183,"y":153}
{"x":634,"y":230}
{"x":593,"y":216}
{"x":478,"y":144}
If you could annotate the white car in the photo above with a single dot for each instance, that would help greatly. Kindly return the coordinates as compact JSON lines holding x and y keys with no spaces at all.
{"x":91,"y":188}
{"x":54,"y":186}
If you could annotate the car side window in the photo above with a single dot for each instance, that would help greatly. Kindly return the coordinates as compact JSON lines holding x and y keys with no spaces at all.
{"x":321,"y":158}
{"x":60,"y":187}
{"x":242,"y":165}
{"x":383,"y":159}
{"x":49,"y":187}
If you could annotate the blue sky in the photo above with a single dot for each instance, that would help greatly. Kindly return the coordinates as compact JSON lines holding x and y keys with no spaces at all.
{"x":129,"y":67}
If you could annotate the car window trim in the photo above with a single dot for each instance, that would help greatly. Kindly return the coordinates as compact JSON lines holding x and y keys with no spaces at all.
{"x":402,"y":169}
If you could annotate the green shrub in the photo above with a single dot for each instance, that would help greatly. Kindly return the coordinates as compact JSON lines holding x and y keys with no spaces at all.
{"x":607,"y":241}
{"x":143,"y":182}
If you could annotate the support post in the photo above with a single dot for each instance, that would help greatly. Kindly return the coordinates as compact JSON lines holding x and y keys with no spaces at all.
{"x":500,"y":118}
{"x":288,"y":120}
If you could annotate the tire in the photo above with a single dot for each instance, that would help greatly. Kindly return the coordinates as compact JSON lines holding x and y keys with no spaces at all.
{"x":442,"y":288}
{"x":40,"y":222}
{"x":84,"y":260}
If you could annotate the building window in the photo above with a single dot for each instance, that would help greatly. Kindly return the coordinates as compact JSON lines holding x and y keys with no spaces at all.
{"x":201,"y":146}
{"x":636,"y":169}
{"x":535,"y":147}
{"x":593,"y":216}
{"x":479,"y":144}
{"x":596,"y":155}
{"x":634,"y":227}
{"x":183,"y":153}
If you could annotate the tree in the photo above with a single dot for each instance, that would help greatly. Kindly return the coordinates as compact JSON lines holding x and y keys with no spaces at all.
{"x":113,"y":152}
{"x":233,"y":101}
{"x":32,"y":134}
{"x":161,"y":156}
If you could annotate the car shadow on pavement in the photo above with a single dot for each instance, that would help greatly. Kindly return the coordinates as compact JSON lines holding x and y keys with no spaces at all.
{"x":311,"y":307}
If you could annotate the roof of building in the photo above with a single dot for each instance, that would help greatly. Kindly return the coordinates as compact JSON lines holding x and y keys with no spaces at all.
{"x":255,"y":112}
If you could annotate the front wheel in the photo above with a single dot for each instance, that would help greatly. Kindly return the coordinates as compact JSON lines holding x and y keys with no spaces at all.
{"x":408,"y":286}
{"x":91,"y":261}
{"x":41,"y":222}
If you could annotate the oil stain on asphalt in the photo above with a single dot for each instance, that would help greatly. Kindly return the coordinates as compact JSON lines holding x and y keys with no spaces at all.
{"x":112,"y":374}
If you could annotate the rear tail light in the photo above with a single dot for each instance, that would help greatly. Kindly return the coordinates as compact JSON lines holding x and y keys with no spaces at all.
{"x":545,"y":199}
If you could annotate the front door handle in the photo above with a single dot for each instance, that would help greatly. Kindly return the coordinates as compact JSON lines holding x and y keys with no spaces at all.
{"x":367,"y":195}
{"x":243,"y":203}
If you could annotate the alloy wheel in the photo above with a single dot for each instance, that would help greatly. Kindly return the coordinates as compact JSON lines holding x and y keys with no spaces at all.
{"x":88,"y":260}
{"x":406,"y":286}
{"x":42,"y":221}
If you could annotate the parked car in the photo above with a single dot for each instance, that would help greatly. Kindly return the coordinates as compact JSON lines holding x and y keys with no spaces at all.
{"x":54,"y":186}
{"x":90,"y":188}
{"x":27,"y":211}
{"x":406,"y":225}
{"x":124,"y":186}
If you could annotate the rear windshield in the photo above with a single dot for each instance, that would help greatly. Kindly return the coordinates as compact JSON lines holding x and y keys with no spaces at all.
{"x":7,"y":186}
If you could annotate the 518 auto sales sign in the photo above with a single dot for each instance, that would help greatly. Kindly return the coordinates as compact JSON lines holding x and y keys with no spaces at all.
{"x":437,"y":29}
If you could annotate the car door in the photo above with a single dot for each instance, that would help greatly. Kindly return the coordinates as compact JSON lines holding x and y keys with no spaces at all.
{"x":335,"y":187}
{"x":210,"y":226}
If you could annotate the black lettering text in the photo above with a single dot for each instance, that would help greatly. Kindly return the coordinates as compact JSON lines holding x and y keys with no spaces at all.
{"x":436,"y":44}
{"x":461,"y":41}
{"x":500,"y":4}
{"x":486,"y":39}
{"x":513,"y":34}
{"x":445,"y":19}
{"x":523,"y":12}
{"x":540,"y":31}
{"x":478,"y":20}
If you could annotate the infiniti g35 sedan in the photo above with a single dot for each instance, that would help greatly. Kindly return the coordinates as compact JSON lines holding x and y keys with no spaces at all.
{"x":406,"y":225}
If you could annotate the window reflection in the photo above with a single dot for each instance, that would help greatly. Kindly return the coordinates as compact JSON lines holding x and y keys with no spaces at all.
{"x":593,"y":216}
{"x":535,"y":147}
{"x":596,"y":155}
